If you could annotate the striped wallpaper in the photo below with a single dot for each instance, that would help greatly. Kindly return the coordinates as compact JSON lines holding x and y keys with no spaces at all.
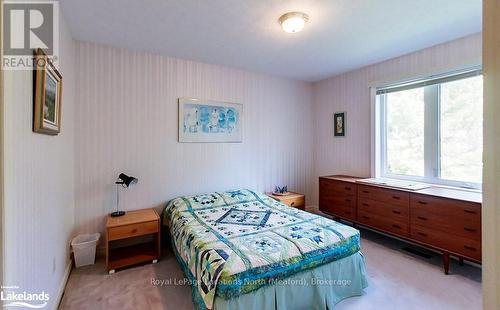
{"x":126,"y":120}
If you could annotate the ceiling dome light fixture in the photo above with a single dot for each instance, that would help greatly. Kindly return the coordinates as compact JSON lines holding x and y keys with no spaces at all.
{"x":293,"y":22}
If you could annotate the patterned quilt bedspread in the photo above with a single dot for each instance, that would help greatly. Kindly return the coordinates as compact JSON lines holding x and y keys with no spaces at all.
{"x":232,"y":243}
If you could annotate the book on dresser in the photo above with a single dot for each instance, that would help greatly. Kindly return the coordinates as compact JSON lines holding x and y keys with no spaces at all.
{"x":444,"y":219}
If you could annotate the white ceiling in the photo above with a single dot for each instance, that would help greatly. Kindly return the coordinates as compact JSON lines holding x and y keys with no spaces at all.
{"x":341,"y":35}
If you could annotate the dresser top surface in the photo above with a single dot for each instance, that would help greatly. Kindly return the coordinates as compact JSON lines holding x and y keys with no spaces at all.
{"x":344,"y":178}
{"x":452,"y":193}
{"x":432,"y":190}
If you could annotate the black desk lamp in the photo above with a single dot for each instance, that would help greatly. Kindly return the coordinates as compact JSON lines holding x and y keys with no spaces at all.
{"x":125,"y":181}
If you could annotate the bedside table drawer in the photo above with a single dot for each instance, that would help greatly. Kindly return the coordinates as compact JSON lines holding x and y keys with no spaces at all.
{"x":132,"y":230}
{"x":295,"y":202}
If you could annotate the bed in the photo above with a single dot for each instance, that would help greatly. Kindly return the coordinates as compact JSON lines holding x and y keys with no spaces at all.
{"x":243,"y":250}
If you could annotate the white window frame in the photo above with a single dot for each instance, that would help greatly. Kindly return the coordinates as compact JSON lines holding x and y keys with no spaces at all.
{"x":432,"y":130}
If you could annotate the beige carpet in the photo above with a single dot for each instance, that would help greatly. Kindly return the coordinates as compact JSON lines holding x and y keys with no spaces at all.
{"x":397,"y":280}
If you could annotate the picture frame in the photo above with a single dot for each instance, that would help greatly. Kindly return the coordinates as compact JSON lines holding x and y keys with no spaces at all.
{"x":47,"y":95}
{"x":206,"y":121}
{"x":339,"y":124}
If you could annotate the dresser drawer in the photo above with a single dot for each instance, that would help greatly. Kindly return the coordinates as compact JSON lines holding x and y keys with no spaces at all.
{"x":451,"y":209}
{"x":339,"y":210}
{"x":297,"y":201}
{"x":397,"y":227}
{"x":337,"y":199}
{"x":328,"y":186}
{"x":394,"y":197}
{"x":387,"y":210}
{"x":448,"y":223}
{"x":462,"y":246}
{"x":132,"y":230}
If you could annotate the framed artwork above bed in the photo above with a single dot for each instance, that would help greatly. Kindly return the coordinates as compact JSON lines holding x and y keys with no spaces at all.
{"x":209,"y":121}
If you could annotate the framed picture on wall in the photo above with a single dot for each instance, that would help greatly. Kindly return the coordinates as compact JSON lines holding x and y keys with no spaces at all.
{"x":339,"y":124}
{"x":210,"y":121}
{"x":47,"y":96}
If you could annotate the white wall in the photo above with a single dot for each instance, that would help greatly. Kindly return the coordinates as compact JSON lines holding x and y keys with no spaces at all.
{"x":39,"y":183}
{"x":491,"y":182}
{"x":350,"y":92}
{"x":126,"y":120}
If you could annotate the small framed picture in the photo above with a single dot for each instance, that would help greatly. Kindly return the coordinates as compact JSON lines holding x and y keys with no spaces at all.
{"x":339,"y":124}
{"x":47,"y":96}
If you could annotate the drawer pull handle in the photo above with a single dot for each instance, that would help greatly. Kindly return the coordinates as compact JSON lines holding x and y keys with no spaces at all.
{"x":422,"y":218}
{"x":366,"y":205}
{"x":469,"y":229}
{"x":469,"y":248}
{"x":293,"y":203}
{"x":396,"y":212}
{"x":348,"y":200}
{"x":365,"y":217}
{"x":422,"y":202}
{"x":396,"y":197}
{"x":134,"y":230}
{"x":470,"y":211}
{"x":396,"y":226}
{"x":422,"y":234}
{"x":347,"y":188}
{"x":366,"y":192}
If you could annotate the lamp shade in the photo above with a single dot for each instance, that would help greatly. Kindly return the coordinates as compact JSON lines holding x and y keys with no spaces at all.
{"x":126,"y":180}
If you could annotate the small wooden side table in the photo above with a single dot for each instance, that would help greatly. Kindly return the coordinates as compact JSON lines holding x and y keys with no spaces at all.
{"x":295,"y":200}
{"x":131,"y":225}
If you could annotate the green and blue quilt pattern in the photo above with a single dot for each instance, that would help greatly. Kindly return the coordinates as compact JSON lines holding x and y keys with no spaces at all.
{"x":232,"y":243}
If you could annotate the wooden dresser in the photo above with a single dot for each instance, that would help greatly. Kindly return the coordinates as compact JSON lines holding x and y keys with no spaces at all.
{"x":443,"y":219}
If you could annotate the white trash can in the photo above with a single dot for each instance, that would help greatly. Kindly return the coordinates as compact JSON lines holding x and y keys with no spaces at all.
{"x":84,"y":249}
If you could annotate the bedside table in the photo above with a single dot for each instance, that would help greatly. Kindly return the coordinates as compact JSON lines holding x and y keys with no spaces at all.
{"x":129,"y":226}
{"x":295,"y":200}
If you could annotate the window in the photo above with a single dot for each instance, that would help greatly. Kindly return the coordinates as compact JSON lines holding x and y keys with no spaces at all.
{"x":431,"y":130}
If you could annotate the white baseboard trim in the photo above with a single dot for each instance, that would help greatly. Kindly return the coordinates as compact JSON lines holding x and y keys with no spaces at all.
{"x":62,"y":287}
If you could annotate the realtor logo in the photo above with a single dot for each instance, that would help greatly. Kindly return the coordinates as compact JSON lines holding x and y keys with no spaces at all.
{"x":28,"y":25}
